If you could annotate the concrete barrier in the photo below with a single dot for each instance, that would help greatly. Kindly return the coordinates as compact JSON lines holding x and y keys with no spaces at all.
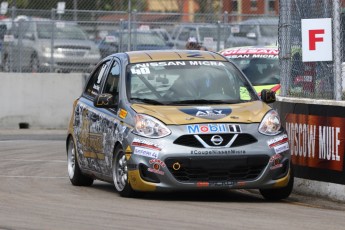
{"x":316,"y":175}
{"x":42,"y":100}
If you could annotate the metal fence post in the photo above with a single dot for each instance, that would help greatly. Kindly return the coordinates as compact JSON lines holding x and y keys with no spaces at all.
{"x":10,"y":58}
{"x":337,"y":47}
{"x":134,"y":40}
{"x":52,"y":41}
{"x":226,"y":28}
{"x":218,"y":36}
{"x":129,"y":26}
{"x":20,"y":44}
{"x":285,"y":46}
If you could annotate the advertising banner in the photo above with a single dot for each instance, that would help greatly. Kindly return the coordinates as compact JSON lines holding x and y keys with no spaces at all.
{"x":317,"y":140}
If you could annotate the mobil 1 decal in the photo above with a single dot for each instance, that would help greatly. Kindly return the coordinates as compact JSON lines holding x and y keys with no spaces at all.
{"x":316,"y":141}
{"x":211,"y":113}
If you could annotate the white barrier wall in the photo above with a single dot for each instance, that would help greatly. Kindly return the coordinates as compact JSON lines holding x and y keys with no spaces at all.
{"x":43,"y":100}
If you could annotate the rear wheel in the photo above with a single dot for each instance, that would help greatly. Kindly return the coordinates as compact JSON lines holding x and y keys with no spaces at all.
{"x":75,"y":175}
{"x":279,"y":193}
{"x":120,"y":174}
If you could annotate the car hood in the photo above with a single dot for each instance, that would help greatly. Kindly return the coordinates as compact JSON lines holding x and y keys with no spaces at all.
{"x":179,"y":115}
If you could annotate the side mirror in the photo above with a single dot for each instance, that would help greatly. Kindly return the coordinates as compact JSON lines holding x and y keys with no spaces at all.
{"x":268,"y":96}
{"x":105,"y":100}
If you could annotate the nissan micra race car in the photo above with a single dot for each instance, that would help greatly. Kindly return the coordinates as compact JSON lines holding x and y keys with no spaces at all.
{"x":259,"y":63}
{"x":176,"y":120}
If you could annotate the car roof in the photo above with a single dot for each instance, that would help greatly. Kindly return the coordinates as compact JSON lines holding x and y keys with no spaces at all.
{"x":272,"y":50}
{"x":169,"y":55}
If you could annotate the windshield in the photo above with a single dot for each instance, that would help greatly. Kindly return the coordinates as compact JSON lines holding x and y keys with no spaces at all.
{"x":61,"y":31}
{"x":187,"y":82}
{"x":260,"y":71}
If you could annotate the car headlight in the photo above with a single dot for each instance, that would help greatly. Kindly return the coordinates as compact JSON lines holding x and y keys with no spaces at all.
{"x":270,"y":124}
{"x":150,"y":127}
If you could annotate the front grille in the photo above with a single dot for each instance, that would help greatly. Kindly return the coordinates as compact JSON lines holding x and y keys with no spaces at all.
{"x":80,"y":53}
{"x":191,"y":140}
{"x":234,"y":168}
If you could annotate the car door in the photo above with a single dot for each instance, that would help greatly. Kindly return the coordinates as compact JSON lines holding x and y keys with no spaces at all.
{"x":88,"y":142}
{"x":104,"y":127}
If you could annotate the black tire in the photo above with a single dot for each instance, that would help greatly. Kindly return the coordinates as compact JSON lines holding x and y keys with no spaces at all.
{"x":120,"y":174}
{"x":279,"y":193}
{"x":76,"y":177}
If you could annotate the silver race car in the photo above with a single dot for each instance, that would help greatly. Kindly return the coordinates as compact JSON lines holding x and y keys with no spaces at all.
{"x":177,"y":120}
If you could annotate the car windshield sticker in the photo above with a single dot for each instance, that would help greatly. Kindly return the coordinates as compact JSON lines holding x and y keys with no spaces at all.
{"x":207,"y":113}
{"x":144,"y":68}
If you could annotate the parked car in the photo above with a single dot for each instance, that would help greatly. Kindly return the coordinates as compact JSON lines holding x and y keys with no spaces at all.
{"x":165,"y":35}
{"x":259,"y":63}
{"x":176,"y":120}
{"x":30,"y":48}
{"x":117,"y":41}
{"x":254,"y":32}
{"x":208,"y":35}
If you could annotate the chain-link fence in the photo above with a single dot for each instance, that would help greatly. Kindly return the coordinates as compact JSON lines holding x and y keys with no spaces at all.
{"x":65,"y":36}
{"x":312,"y":79}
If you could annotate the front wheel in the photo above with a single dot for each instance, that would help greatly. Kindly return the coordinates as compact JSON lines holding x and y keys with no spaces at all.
{"x":120,"y":174}
{"x":74,"y":173}
{"x":279,"y":193}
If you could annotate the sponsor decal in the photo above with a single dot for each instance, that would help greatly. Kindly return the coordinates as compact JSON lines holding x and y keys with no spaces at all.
{"x":253,"y":50}
{"x":155,"y":171}
{"x":207,"y":128}
{"x":218,"y":152}
{"x":146,"y":152}
{"x":145,"y":144}
{"x":208,"y":63}
{"x":316,"y":141}
{"x":208,"y":112}
{"x":122,"y":113}
{"x":158,"y":161}
{"x":144,"y":68}
{"x":128,"y":149}
{"x":201,"y":184}
{"x":278,"y":141}
{"x":235,"y":129}
{"x":275,"y":160}
{"x":281,"y":148}
{"x":222,"y":184}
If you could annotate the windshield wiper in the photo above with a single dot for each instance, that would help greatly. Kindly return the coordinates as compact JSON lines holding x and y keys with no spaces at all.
{"x":147,"y":101}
